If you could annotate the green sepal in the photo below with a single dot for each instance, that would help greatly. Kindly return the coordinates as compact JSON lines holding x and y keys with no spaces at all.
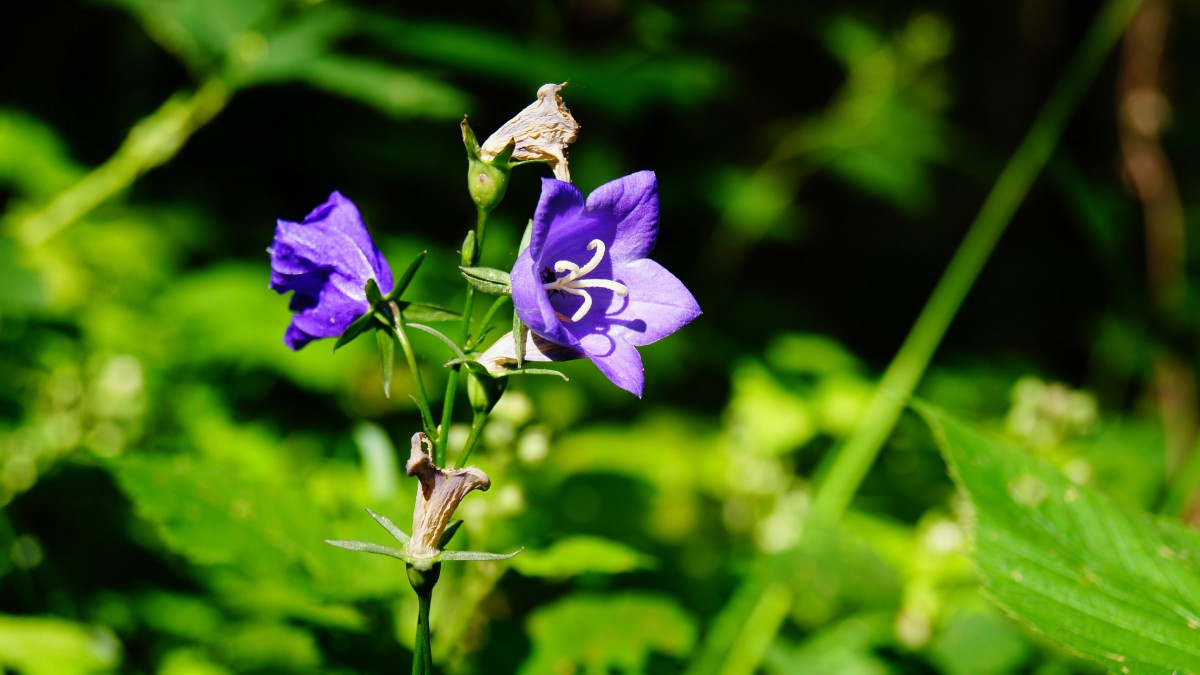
{"x":477,"y":555}
{"x":519,"y":333}
{"x":387,"y":354}
{"x":476,"y":367}
{"x":407,"y":277}
{"x":397,"y":533}
{"x":470,"y":142}
{"x":368,"y":547}
{"x":525,"y":237}
{"x":504,"y":157}
{"x":419,"y":565}
{"x":533,"y":371}
{"x":449,"y":532}
{"x":488,"y":280}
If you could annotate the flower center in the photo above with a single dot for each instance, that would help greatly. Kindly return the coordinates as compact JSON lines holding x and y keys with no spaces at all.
{"x":575,"y":284}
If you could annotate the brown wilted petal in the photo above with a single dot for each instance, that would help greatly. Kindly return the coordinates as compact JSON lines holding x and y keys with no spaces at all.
{"x":440,"y":493}
{"x":542,"y":131}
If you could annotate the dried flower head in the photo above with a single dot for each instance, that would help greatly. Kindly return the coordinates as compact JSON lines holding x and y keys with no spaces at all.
{"x":540,"y":132}
{"x":440,"y":493}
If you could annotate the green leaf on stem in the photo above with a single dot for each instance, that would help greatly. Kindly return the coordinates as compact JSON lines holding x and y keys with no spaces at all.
{"x":360,"y":325}
{"x":1108,"y":581}
{"x":407,"y":277}
{"x":458,"y":353}
{"x":423,"y":311}
{"x":488,"y":280}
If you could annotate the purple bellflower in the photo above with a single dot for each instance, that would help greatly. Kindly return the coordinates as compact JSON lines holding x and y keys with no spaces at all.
{"x":584,"y":284}
{"x":326,"y":259}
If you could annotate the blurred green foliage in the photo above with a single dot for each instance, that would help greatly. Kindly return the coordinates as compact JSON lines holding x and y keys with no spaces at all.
{"x":168,"y":469}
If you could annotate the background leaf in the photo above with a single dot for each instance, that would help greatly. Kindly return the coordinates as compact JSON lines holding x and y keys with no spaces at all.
{"x":1108,"y":582}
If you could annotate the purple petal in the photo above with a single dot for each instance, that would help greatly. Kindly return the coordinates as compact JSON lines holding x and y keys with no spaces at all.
{"x":558,"y":205}
{"x":325,"y":261}
{"x":618,"y":360}
{"x":295,"y":338}
{"x":658,"y":304}
{"x":631,"y":202}
{"x":532,"y":303}
{"x":332,"y":235}
{"x":332,"y":313}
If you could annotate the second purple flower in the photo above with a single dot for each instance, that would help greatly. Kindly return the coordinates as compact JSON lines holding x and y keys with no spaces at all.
{"x":585,"y":283}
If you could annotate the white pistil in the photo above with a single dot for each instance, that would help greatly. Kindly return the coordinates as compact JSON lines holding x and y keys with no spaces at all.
{"x":574,"y":284}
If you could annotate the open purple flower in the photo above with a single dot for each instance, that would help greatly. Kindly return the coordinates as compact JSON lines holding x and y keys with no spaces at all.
{"x":585,"y":284}
{"x":326,"y":260}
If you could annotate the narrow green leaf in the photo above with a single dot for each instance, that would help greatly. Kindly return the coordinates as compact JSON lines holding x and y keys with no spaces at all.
{"x":458,"y":353}
{"x":407,"y":277}
{"x":355,"y":329}
{"x":423,"y":311}
{"x":399,"y":534}
{"x":488,"y":280}
{"x":1106,"y":580}
{"x":387,"y":354}
{"x":476,"y":555}
{"x":368,"y":547}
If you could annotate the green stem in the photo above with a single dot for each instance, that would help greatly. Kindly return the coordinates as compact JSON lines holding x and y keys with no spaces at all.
{"x":491,"y":313}
{"x":423,"y":649}
{"x":854,"y":458}
{"x":418,"y":382}
{"x":443,"y":436}
{"x":153,"y":141}
{"x":477,"y":425}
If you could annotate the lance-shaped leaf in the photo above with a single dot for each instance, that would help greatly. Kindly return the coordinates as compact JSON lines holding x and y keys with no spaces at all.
{"x":407,"y":277}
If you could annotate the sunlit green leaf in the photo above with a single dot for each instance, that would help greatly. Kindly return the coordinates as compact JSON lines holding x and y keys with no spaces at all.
{"x":38,"y":645}
{"x":1107,"y":581}
{"x":581,"y":555}
{"x":603,"y":633}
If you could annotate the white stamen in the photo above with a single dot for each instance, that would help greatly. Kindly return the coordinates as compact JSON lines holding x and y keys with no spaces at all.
{"x":573,"y":284}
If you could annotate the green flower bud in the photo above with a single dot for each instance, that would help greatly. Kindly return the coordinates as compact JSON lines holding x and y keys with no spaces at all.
{"x":484,"y":391}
